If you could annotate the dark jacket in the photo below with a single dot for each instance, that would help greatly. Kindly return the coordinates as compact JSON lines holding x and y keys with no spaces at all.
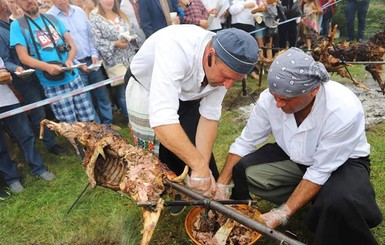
{"x":151,"y":15}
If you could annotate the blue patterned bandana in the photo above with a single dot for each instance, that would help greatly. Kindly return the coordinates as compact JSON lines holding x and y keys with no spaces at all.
{"x":295,"y":73}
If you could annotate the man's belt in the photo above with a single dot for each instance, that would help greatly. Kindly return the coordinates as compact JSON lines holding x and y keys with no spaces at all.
{"x":84,"y":60}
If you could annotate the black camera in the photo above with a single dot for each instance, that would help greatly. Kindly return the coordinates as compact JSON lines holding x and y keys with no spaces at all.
{"x":64,"y":47}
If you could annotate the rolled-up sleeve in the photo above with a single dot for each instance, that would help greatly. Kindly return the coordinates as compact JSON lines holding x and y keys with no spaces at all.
{"x":211,"y":105}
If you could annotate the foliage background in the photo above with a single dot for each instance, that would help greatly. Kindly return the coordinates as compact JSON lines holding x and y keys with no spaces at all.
{"x":40,"y":215}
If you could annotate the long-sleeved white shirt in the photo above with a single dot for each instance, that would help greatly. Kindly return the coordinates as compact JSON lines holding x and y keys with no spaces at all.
{"x":333,"y":131}
{"x":240,"y":14}
{"x":169,"y":65}
{"x":221,"y":6}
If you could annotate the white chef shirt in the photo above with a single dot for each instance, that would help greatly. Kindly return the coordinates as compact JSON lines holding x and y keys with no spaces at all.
{"x":333,"y":131}
{"x":169,"y":65}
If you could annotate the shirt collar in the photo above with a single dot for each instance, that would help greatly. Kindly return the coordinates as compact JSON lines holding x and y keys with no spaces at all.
{"x":56,"y":11}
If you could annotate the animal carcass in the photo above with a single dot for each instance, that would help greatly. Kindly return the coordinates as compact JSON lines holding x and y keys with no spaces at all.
{"x":333,"y":55}
{"x":110,"y":161}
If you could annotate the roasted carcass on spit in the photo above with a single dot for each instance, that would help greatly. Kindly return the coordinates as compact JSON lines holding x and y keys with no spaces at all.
{"x":110,"y":161}
{"x":333,"y":55}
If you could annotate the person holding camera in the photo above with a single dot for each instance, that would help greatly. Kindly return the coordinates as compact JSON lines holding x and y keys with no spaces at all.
{"x":42,"y":42}
{"x":27,"y":85}
{"x":75,"y":19}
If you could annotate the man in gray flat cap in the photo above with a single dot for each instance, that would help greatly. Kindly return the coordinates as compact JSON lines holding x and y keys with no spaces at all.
{"x":177,"y":82}
{"x":320,"y":154}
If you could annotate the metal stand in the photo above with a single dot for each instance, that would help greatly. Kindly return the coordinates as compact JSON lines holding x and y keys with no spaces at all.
{"x":77,"y":199}
{"x":252,"y":224}
{"x":244,"y":92}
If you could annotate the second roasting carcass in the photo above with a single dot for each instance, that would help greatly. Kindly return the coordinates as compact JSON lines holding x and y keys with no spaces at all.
{"x":333,"y":55}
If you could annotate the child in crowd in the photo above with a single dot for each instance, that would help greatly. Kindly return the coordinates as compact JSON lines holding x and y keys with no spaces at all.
{"x":311,"y":10}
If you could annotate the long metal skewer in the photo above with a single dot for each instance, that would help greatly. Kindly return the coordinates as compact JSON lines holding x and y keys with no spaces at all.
{"x":252,"y":224}
{"x":363,"y":62}
{"x":196,"y":203}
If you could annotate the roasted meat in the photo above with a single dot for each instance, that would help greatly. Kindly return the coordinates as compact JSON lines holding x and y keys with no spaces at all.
{"x":110,"y":161}
{"x":334,"y":56}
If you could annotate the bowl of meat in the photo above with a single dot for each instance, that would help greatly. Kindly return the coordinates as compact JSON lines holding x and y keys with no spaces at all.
{"x":211,"y":227}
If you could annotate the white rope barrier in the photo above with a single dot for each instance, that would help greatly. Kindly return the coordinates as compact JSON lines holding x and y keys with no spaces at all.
{"x":57,"y":98}
{"x":293,"y":19}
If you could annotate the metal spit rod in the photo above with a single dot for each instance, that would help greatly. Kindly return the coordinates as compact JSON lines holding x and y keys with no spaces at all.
{"x":246,"y":221}
{"x":363,"y":62}
{"x":196,"y":203}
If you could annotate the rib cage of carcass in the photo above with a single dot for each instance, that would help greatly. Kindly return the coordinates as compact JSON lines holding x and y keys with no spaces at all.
{"x":333,"y":55}
{"x":110,"y":161}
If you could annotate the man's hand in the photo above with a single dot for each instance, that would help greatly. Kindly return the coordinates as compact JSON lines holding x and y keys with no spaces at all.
{"x":223,"y":191}
{"x":5,"y":77}
{"x":175,"y":21}
{"x":249,"y":5}
{"x":204,"y":24}
{"x":204,"y":186}
{"x":123,"y":44}
{"x":277,"y":216}
{"x":19,"y":70}
{"x":213,"y":12}
{"x":84,"y":68}
{"x":69,"y":63}
{"x":95,"y":60}
{"x":53,"y":69}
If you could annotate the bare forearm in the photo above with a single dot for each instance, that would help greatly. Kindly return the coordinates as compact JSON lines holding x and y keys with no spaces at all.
{"x":175,"y":139}
{"x":34,"y":63}
{"x":227,"y":172}
{"x":303,"y":193}
{"x":205,"y":137}
{"x":72,"y":52}
{"x":27,"y":60}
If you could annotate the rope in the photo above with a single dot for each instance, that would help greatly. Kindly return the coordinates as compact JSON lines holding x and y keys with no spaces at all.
{"x":57,"y":98}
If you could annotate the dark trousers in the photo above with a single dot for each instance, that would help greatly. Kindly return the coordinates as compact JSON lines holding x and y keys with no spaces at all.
{"x":266,"y":154}
{"x":326,"y":20}
{"x":32,"y":92}
{"x":189,"y":117}
{"x":343,"y":211}
{"x":288,"y":33}
{"x":345,"y":208}
{"x":100,"y":96}
{"x":351,"y":8}
{"x":20,"y":129}
{"x":244,"y":27}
